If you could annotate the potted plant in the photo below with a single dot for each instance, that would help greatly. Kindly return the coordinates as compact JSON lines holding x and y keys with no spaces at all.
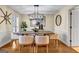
{"x":23,"y":26}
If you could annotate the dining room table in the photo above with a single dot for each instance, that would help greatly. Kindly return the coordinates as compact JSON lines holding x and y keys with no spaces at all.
{"x":36,"y":33}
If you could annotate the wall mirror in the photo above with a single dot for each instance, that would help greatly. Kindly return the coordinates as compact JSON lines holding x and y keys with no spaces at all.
{"x":58,"y":20}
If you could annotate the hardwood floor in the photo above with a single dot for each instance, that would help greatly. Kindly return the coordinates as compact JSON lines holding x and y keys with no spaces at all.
{"x":76,"y":48}
{"x":53,"y":48}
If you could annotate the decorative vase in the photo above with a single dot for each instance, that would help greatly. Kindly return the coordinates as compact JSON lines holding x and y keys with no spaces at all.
{"x":35,"y":30}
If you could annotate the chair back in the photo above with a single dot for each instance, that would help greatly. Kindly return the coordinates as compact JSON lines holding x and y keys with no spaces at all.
{"x":55,"y":36}
{"x":26,"y":39}
{"x":42,"y":39}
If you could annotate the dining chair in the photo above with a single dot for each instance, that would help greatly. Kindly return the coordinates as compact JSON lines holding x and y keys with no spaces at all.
{"x":55,"y":38}
{"x":25,"y":40}
{"x":41,"y":40}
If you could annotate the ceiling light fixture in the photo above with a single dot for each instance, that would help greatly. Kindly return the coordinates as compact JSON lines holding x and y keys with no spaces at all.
{"x":36,"y":11}
{"x":36,"y":15}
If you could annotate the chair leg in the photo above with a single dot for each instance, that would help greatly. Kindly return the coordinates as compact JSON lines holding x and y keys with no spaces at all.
{"x":19,"y":48}
{"x":33,"y":49}
{"x":30,"y":48}
{"x":57,"y":43}
{"x":36,"y":48}
{"x":54,"y":42}
{"x":47,"y":48}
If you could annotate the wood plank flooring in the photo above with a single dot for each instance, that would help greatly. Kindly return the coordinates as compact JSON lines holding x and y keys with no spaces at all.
{"x":76,"y":48}
{"x":53,"y":48}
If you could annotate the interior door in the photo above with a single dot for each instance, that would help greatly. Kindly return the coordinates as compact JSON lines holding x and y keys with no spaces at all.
{"x":75,"y":27}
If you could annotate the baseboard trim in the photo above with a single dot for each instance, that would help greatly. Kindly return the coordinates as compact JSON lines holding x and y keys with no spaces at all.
{"x":63,"y":43}
{"x":5,"y":44}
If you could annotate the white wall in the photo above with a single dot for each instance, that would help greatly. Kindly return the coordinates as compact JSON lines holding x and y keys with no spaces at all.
{"x":6,"y":29}
{"x":63,"y":29}
{"x":49,"y":22}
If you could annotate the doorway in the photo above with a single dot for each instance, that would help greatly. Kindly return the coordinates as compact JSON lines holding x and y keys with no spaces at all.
{"x":74,"y":27}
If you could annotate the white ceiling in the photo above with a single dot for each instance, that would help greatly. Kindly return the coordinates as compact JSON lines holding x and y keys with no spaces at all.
{"x":43,"y":9}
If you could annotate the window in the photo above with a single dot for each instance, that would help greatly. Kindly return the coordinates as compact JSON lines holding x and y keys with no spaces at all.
{"x":15,"y":24}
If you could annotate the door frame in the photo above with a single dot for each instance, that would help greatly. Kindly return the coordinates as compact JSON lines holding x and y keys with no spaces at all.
{"x":70,"y":24}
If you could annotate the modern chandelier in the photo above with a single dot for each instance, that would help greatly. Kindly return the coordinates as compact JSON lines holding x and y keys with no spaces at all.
{"x":36,"y":15}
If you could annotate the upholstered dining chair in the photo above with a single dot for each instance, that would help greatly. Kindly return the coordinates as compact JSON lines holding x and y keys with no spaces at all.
{"x":41,"y":40}
{"x":25,"y":40}
{"x":55,"y":38}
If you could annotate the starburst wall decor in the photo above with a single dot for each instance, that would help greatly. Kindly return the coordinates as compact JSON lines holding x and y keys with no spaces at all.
{"x":5,"y":16}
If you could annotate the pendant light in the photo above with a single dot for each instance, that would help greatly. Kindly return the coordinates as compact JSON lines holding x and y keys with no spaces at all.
{"x":36,"y":11}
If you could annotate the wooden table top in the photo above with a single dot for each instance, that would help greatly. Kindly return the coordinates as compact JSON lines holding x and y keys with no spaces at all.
{"x":32,"y":32}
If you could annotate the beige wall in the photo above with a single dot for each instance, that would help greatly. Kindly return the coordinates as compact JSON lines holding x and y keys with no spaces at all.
{"x":49,"y":22}
{"x":63,"y":29}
